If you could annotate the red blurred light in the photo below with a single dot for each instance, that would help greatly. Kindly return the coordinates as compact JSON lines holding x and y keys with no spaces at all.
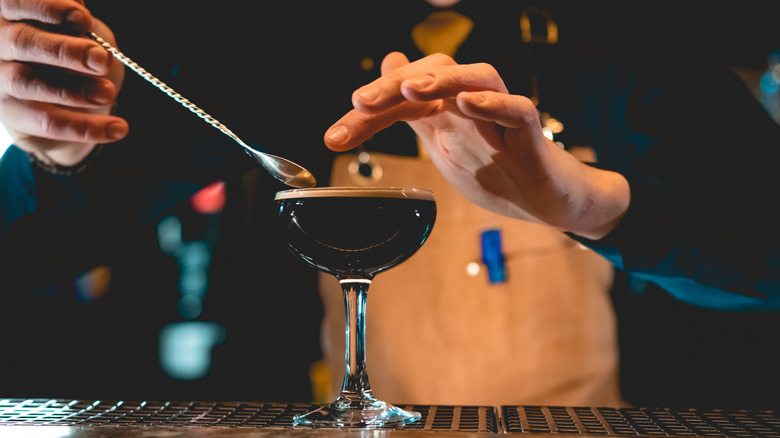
{"x":210,"y":199}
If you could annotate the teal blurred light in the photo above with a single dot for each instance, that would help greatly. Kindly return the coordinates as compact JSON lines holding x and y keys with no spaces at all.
{"x":186,"y":347}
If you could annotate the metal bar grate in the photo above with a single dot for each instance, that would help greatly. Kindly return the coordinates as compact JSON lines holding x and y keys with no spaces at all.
{"x":216,"y":414}
{"x":533,"y":420}
{"x":640,"y":421}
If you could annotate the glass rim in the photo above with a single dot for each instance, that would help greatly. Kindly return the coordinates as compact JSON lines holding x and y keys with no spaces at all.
{"x":356,"y":192}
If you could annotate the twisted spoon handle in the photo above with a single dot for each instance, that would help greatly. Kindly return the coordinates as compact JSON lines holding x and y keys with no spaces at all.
{"x":166,"y":89}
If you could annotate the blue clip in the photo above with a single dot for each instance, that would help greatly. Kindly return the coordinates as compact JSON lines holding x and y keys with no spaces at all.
{"x":493,"y":256}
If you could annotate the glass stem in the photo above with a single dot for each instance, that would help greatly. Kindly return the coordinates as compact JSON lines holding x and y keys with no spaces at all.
{"x":356,"y":387}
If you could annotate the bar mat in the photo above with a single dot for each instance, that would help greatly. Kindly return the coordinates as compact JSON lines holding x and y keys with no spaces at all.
{"x":542,"y":420}
{"x":522,"y":420}
{"x":224,"y":414}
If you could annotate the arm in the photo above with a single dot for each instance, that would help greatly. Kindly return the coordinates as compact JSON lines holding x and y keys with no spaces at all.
{"x":56,"y":95}
{"x":701,"y":158}
{"x":678,"y":232}
{"x":487,"y":143}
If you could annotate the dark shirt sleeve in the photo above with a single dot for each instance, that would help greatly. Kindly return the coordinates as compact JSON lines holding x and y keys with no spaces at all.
{"x":701,"y":158}
{"x":17,"y":188}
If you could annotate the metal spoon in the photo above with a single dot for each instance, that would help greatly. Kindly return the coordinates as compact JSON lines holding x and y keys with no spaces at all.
{"x":282,"y":169}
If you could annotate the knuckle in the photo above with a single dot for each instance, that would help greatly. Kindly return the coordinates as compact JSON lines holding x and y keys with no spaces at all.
{"x":60,"y":50}
{"x":20,"y":41}
{"x":50,"y":126}
{"x":526,"y":110}
{"x":62,"y":94}
{"x":24,"y":82}
{"x":15,"y":79}
{"x":461,"y":77}
{"x":42,"y":11}
{"x":8,"y":7}
{"x":46,"y":125}
{"x":6,"y":78}
{"x":5,"y":107}
{"x":10,"y":79}
{"x":80,"y":129}
{"x":487,"y":69}
{"x":441,"y":58}
{"x":15,"y":37}
{"x":526,"y":105}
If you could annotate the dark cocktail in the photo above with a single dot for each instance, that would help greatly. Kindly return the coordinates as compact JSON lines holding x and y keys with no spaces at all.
{"x":354,"y":233}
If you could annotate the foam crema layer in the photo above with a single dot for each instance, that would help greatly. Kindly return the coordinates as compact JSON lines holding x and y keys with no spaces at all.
{"x":356,"y":192}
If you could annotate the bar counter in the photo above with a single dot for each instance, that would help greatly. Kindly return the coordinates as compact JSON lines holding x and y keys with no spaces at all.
{"x":97,"y":418}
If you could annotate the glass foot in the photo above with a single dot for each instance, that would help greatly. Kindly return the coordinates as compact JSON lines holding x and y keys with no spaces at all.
{"x":357,"y":414}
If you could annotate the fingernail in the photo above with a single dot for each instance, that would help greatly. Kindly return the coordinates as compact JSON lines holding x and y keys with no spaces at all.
{"x":96,"y":58}
{"x":99,"y":92}
{"x":115,"y":131}
{"x":420,"y":82}
{"x":368,"y":94}
{"x":337,"y":134}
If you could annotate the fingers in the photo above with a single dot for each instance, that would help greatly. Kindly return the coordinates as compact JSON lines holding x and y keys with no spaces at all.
{"x":56,"y":85}
{"x":356,"y":127}
{"x":412,"y":91}
{"x":431,"y":78}
{"x":24,"y":42}
{"x":70,"y":13}
{"x":47,"y":32}
{"x":25,"y":82}
{"x":56,"y":123}
{"x":380,"y":103}
{"x":448,"y":81}
{"x":386,"y":91}
{"x":510,"y":111}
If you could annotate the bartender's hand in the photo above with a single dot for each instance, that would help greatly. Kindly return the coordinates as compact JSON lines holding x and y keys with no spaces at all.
{"x":57,"y":87}
{"x":487,"y":143}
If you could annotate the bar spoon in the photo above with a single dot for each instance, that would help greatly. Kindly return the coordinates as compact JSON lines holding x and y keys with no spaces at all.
{"x":280,"y":168}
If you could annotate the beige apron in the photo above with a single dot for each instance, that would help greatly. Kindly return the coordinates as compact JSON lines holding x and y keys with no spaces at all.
{"x":438,"y":335}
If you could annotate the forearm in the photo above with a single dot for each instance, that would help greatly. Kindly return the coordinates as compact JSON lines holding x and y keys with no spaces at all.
{"x":712,"y":256}
{"x":594,"y":200}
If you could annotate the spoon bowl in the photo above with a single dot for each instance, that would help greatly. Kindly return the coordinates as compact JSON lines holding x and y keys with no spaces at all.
{"x":284,"y":170}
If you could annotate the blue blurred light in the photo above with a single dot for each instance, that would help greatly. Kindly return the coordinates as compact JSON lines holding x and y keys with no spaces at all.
{"x":190,"y":307}
{"x":769,"y":83}
{"x":169,"y":234}
{"x":185,"y":348}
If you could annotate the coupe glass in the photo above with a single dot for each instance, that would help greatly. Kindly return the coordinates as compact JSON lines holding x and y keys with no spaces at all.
{"x":354,"y":233}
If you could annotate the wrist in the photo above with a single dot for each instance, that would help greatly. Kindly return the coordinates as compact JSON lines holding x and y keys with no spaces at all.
{"x":605,"y":201}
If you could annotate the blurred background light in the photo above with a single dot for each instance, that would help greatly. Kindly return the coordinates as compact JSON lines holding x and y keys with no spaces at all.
{"x":770,"y":83}
{"x":185,"y":348}
{"x":210,"y":199}
{"x":93,"y":284}
{"x":169,"y":234}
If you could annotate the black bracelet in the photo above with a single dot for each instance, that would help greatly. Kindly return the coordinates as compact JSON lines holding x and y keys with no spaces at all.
{"x":57,"y":169}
